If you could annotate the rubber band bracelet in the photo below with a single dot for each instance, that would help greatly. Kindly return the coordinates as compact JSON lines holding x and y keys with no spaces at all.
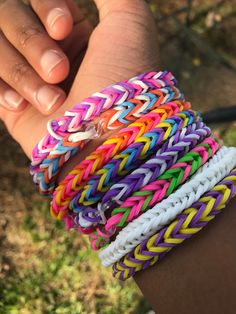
{"x":165,"y":130}
{"x":188,"y":223}
{"x":174,"y":148}
{"x":110,"y":174}
{"x":129,"y":111}
{"x":166,"y":156}
{"x":164,"y":185}
{"x":164,"y":212}
{"x":155,"y":191}
{"x":151,"y":140}
{"x":126,"y":136}
{"x":64,"y":135}
{"x":117,"y":167}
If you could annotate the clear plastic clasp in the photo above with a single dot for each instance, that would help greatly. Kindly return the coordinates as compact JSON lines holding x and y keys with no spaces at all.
{"x":93,"y":130}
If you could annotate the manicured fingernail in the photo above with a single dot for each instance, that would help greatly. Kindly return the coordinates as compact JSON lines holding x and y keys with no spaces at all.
{"x":12,"y":100}
{"x":50,"y":60}
{"x":54,"y":16}
{"x":47,"y":97}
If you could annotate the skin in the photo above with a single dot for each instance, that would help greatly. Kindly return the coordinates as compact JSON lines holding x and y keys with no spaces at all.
{"x":198,"y":277}
{"x":105,"y":61}
{"x":30,"y":51}
{"x":121,"y":46}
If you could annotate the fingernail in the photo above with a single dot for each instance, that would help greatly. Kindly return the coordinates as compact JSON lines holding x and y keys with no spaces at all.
{"x":47,"y":97}
{"x":54,"y":15}
{"x":50,"y":59}
{"x":12,"y":100}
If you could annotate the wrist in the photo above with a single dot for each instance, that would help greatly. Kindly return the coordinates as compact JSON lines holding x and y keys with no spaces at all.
{"x":200,"y":274}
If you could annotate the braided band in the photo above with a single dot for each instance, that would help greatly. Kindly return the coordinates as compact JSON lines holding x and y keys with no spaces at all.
{"x":150,"y":140}
{"x":190,"y":222}
{"x":101,"y":183}
{"x":118,"y":167}
{"x":129,"y":111}
{"x":178,"y":145}
{"x":112,"y":172}
{"x":156,"y":191}
{"x":80,"y":174}
{"x":64,"y":134}
{"x":173,"y":149}
{"x":161,"y":214}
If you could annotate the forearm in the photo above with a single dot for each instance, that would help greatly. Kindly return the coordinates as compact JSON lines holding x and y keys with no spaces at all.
{"x":199,"y":276}
{"x":204,"y":269}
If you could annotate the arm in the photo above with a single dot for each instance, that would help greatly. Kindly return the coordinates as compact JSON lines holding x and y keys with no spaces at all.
{"x":106,"y":62}
{"x":200,"y":275}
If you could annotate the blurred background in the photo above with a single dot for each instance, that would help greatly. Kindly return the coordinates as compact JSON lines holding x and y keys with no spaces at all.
{"x":44,"y":269}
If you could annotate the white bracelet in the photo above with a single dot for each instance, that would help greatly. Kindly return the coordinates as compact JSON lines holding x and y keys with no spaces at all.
{"x":164,"y":212}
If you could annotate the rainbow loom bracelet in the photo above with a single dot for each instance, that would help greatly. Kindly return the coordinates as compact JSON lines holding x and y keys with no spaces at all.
{"x":188,"y":223}
{"x":64,"y":137}
{"x":129,"y":111}
{"x":164,"y":212}
{"x":117,"y":167}
{"x":152,"y":140}
{"x":157,"y":181}
{"x":174,"y":176}
{"x":166,"y":156}
{"x":163,"y":186}
{"x":70,"y":186}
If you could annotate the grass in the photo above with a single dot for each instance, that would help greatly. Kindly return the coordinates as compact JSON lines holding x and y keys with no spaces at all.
{"x":53,"y":271}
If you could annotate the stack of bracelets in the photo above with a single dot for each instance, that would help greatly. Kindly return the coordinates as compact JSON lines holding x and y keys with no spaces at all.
{"x":159,"y":179}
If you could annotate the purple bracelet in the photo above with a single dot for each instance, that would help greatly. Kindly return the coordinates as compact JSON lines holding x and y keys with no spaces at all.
{"x":185,"y":225}
{"x":173,"y":149}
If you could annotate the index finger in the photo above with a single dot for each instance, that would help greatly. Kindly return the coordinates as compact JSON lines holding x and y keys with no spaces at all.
{"x":56,"y":17}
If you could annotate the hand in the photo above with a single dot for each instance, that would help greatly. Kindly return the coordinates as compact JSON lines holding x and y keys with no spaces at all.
{"x":31,"y":59}
{"x":122,"y":45}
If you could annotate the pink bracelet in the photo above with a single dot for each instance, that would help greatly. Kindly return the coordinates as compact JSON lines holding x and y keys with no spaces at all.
{"x":65,"y":136}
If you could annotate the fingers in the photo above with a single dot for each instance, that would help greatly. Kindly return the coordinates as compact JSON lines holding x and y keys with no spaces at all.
{"x":56,"y":17}
{"x":28,"y":36}
{"x":18,"y":74}
{"x":10,"y":99}
{"x":80,"y":34}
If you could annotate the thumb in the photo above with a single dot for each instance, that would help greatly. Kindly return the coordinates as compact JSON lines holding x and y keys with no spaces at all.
{"x":106,"y":7}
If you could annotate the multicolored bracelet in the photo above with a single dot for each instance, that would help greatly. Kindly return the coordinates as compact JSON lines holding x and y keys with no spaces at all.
{"x":103,"y":179}
{"x":129,"y":111}
{"x":162,"y":187}
{"x":171,"y":150}
{"x":156,"y":191}
{"x":161,"y":214}
{"x":65,"y":136}
{"x":188,"y":223}
{"x":150,"y":186}
{"x":76,"y":179}
{"x":150,"y":140}
{"x":166,"y":156}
